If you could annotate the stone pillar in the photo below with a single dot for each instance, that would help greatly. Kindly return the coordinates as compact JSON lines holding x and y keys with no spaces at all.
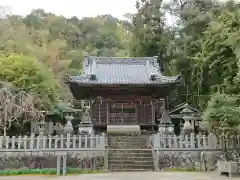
{"x":41,"y":130}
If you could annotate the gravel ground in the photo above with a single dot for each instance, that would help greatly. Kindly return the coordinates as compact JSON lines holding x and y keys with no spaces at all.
{"x":130,"y":176}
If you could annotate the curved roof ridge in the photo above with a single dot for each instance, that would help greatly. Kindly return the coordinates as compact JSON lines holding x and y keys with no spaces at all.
{"x":121,"y":60}
{"x":121,"y":70}
{"x":113,"y":58}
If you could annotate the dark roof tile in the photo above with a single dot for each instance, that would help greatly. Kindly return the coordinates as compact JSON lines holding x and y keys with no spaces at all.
{"x":113,"y":70}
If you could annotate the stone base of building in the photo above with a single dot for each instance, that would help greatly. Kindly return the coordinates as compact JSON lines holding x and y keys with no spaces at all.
{"x":123,"y":129}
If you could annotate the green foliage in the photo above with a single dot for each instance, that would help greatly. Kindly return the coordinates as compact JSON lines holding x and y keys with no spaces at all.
{"x":48,"y":47}
{"x":29,"y":75}
{"x":182,"y":169}
{"x":48,"y":171}
{"x":223,"y":113}
{"x":202,"y":45}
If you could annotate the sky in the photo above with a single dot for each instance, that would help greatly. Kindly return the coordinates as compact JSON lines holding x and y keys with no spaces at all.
{"x":68,"y":8}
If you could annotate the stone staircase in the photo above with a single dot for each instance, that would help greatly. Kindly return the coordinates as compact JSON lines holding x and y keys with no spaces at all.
{"x":129,"y":153}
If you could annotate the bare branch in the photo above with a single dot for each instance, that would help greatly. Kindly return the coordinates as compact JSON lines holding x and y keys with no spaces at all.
{"x":15,"y":105}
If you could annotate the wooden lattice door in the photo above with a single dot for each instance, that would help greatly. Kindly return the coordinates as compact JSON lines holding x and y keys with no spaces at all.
{"x":123,"y":113}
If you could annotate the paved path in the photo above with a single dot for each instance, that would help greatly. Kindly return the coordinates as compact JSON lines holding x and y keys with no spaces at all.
{"x":131,"y":176}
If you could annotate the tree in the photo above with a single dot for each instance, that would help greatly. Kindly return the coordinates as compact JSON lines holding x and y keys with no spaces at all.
{"x":31,"y":76}
{"x":60,"y":43}
{"x":222,"y":117}
{"x":15,"y":105}
{"x":223,"y":113}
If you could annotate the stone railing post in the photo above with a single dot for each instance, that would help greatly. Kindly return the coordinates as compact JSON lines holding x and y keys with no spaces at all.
{"x":62,"y":156}
{"x":156,"y":141}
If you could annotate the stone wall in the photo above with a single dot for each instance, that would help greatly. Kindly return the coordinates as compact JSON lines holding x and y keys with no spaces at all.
{"x":84,"y":160}
{"x":202,"y":161}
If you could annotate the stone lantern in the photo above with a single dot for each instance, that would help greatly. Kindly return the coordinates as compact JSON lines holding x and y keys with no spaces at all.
{"x":68,"y":127}
{"x":165,"y":126}
{"x":41,"y":127}
{"x":42,"y":124}
{"x":188,"y":126}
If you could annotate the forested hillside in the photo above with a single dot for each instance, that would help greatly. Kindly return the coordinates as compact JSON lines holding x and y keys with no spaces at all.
{"x":54,"y":46}
{"x":202,"y":44}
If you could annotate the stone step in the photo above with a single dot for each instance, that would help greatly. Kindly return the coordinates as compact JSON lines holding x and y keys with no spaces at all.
{"x":126,"y":142}
{"x":119,"y":158}
{"x":129,"y":157}
{"x":128,"y":166}
{"x":137,"y":154}
{"x":127,"y":146}
{"x":129,"y":153}
{"x":132,"y":151}
{"x":115,"y":141}
{"x":127,"y":138}
{"x":130,"y":170}
{"x":131,"y":162}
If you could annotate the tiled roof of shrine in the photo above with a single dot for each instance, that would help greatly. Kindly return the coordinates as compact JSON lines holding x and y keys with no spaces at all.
{"x":122,"y":71}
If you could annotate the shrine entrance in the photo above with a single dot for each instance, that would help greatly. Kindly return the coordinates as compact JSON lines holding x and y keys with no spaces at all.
{"x":110,"y":112}
{"x":119,"y":94}
{"x":123,"y":113}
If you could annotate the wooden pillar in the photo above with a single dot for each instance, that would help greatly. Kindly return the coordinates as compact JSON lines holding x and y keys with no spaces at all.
{"x":108,"y":111}
{"x":122,"y":114}
{"x":99,"y":112}
{"x":91,"y":110}
{"x":153,"y":111}
{"x":136,"y":104}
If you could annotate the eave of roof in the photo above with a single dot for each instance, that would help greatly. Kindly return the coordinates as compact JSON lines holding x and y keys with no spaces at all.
{"x":182,"y":106}
{"x":122,"y":71}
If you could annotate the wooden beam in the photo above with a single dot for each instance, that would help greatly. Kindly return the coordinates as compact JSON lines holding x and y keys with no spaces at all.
{"x":180,"y":116}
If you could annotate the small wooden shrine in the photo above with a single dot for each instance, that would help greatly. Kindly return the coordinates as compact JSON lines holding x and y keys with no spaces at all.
{"x":122,"y":91}
{"x":178,"y":115}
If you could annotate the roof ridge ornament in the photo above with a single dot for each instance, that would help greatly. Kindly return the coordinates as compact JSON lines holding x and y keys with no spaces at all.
{"x":85,"y":60}
{"x":93,"y":71}
{"x":152,"y":75}
{"x":155,"y":61}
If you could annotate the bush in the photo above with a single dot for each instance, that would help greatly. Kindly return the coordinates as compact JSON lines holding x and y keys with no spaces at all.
{"x":47,"y":171}
{"x":182,"y":169}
